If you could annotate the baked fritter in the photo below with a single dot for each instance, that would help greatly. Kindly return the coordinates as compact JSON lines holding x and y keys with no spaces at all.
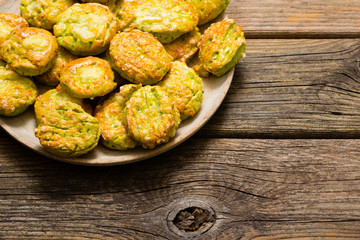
{"x":87,"y":77}
{"x":151,"y":116}
{"x":10,"y":22}
{"x":29,"y":51}
{"x":66,"y":130}
{"x":139,"y":57}
{"x":166,"y":20}
{"x":184,"y":47}
{"x":221,"y":46}
{"x":111,"y":4}
{"x":118,"y":79}
{"x":86,"y":29}
{"x":96,"y":1}
{"x":112,"y":119}
{"x":17,"y":92}
{"x":209,"y":9}
{"x":185,"y":88}
{"x":48,"y":100}
{"x":52,"y":76}
{"x":43,"y":13}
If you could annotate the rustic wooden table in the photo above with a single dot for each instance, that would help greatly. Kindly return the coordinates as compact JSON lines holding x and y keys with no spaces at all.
{"x":280,"y":159}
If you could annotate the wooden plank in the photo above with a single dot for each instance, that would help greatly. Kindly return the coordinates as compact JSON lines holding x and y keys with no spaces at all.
{"x":258,"y":189}
{"x":293,"y":88}
{"x":295,"y":19}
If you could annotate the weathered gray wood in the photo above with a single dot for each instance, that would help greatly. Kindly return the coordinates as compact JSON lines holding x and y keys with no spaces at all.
{"x":293,"y":88}
{"x":269,"y":188}
{"x":297,"y":19}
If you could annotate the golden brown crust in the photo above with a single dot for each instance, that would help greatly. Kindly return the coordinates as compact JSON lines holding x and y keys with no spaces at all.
{"x":184,"y":47}
{"x":10,"y":22}
{"x":112,"y":119}
{"x":139,"y":57}
{"x":96,"y":1}
{"x":52,"y":76}
{"x":29,"y":51}
{"x":48,"y":100}
{"x":185,"y":88}
{"x":88,"y":77}
{"x":151,"y":116}
{"x":86,"y":29}
{"x":209,"y":9}
{"x":67,"y":130}
{"x":166,"y":20}
{"x":17,"y":92}
{"x":43,"y":13}
{"x":221,"y":47}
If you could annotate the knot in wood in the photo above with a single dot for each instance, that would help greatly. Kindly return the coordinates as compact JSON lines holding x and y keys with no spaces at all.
{"x":191,"y":219}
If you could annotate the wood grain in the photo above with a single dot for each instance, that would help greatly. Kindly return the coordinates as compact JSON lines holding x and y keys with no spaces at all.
{"x":297,"y":19}
{"x":300,"y":79}
{"x":258,"y":189}
{"x":292,"y":88}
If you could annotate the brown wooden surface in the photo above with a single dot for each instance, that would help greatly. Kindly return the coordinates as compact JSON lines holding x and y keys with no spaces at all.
{"x":297,"y":19}
{"x":268,"y":188}
{"x":293,"y":88}
{"x":275,"y":162}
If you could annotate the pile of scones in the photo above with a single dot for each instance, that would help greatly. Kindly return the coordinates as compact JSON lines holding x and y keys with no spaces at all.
{"x":115,"y":70}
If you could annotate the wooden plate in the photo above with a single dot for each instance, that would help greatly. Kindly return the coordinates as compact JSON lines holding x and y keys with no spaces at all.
{"x":22,"y":127}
